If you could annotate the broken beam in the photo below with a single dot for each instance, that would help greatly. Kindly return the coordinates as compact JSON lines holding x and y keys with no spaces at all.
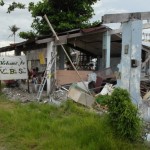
{"x":124,"y":17}
{"x":116,"y":31}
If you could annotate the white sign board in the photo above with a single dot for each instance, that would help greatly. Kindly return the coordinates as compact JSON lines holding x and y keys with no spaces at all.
{"x":13,"y":67}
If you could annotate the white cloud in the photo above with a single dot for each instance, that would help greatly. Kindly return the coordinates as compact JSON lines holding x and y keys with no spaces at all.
{"x":103,"y":7}
{"x":3,"y":43}
{"x":20,"y":18}
{"x":23,"y":19}
{"x":100,"y":12}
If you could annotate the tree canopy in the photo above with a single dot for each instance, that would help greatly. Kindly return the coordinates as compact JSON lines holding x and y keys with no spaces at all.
{"x":63,"y":14}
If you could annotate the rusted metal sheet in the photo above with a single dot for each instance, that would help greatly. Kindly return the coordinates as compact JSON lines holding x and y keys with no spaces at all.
{"x":101,"y":28}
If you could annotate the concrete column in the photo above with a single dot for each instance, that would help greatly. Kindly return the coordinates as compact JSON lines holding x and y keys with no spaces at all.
{"x":98,"y":64}
{"x":61,"y":58}
{"x":130,"y":68}
{"x":106,"y":50}
{"x":50,"y":47}
{"x":17,"y":52}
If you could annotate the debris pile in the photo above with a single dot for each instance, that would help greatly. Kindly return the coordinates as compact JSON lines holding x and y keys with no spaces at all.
{"x":18,"y":94}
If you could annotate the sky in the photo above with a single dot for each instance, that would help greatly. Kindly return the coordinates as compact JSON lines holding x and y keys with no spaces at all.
{"x":23,"y":19}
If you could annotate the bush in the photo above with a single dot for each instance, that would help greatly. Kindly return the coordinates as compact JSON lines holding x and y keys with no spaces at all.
{"x":124,"y":115}
{"x":102,"y":99}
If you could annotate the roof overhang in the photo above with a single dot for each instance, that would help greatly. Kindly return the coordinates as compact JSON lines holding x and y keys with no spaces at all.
{"x":85,"y":40}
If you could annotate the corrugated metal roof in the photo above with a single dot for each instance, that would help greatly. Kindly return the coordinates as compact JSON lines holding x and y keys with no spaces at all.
{"x":95,"y":29}
{"x":90,"y":41}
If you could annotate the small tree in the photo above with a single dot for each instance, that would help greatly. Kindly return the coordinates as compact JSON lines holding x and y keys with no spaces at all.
{"x":64,"y":15}
{"x":14,"y":29}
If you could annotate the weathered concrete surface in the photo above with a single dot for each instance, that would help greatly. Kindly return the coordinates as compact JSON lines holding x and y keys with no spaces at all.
{"x":130,"y":67}
{"x":80,"y":96}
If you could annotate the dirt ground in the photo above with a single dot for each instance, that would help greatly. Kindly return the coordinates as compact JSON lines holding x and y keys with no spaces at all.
{"x":21,"y":93}
{"x":24,"y":95}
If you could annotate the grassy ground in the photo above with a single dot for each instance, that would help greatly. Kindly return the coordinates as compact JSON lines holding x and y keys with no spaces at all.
{"x":36,"y":126}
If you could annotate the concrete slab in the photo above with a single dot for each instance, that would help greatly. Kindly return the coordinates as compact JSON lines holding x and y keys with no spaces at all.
{"x":80,"y":96}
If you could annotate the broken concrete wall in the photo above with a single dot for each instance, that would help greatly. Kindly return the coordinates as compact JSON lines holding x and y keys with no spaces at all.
{"x":34,"y":61}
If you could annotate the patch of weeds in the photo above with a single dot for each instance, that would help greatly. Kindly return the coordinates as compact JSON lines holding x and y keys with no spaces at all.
{"x":68,"y":127}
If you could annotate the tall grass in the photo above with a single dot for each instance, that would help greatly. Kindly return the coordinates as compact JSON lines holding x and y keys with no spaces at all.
{"x":36,"y":126}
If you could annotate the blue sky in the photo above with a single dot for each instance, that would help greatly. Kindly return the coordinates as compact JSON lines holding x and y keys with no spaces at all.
{"x":22,"y":18}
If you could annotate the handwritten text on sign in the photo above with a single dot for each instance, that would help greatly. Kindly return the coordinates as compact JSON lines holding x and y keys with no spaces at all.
{"x":13,"y":67}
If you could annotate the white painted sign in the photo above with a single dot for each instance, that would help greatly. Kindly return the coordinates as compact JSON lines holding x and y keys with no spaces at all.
{"x":13,"y":67}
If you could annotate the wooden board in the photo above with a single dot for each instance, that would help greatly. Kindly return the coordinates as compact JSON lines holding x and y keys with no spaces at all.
{"x":70,"y":76}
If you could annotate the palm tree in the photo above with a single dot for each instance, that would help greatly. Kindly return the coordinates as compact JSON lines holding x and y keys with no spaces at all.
{"x":13,"y":29}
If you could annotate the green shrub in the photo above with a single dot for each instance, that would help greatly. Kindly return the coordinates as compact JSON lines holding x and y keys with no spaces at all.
{"x":102,"y":99}
{"x":124,"y":115}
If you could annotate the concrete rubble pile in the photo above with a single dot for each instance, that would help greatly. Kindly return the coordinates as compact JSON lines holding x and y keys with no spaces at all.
{"x":85,"y":92}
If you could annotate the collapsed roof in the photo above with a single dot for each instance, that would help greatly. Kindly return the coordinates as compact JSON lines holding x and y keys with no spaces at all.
{"x":86,"y":40}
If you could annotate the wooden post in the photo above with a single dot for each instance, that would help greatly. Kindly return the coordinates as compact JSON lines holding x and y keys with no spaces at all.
{"x":50,"y":49}
{"x":28,"y":77}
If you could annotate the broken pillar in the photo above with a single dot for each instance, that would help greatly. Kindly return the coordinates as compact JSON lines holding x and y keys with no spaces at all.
{"x":130,"y":67}
{"x":131,"y":58}
{"x":98,"y":63}
{"x":61,"y":57}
